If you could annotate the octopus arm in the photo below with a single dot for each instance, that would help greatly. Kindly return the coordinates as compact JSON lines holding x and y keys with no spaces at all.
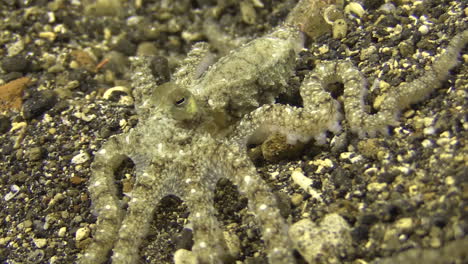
{"x":106,"y":203}
{"x":146,"y":193}
{"x":209,"y":245}
{"x":319,"y":114}
{"x":144,"y":86}
{"x":399,"y":98}
{"x":261,"y":202}
{"x":395,"y":100}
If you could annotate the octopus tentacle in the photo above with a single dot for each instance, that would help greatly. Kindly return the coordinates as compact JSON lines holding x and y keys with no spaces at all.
{"x":209,"y":246}
{"x":145,"y":195}
{"x":319,"y":114}
{"x":354,"y":91}
{"x":261,"y":201}
{"x":144,"y":85}
{"x":106,"y":203}
{"x":405,"y":94}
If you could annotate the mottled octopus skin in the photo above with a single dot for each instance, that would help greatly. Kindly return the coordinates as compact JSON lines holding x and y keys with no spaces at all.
{"x":186,"y":160}
{"x":187,"y":157}
{"x":171,"y":159}
{"x":321,"y":111}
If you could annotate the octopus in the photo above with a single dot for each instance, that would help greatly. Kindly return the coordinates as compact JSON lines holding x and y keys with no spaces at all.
{"x":194,"y":130}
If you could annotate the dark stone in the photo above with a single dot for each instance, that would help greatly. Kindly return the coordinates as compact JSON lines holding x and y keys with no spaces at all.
{"x":390,"y":213}
{"x":284,"y":204}
{"x":12,"y":76}
{"x":440,"y":221}
{"x":7,"y":149}
{"x":5,"y":124}
{"x":369,"y":219}
{"x":125,"y":46}
{"x":39,"y":103}
{"x":388,"y":21}
{"x":316,"y":184}
{"x":35,"y":256}
{"x":204,"y":3}
{"x":17,"y":63}
{"x":19,"y":178}
{"x":341,"y":178}
{"x":160,"y":69}
{"x":255,"y":260}
{"x":387,"y":177}
{"x":373,"y":4}
{"x":9,"y":2}
{"x":360,"y":233}
{"x":87,"y":83}
{"x":184,"y":240}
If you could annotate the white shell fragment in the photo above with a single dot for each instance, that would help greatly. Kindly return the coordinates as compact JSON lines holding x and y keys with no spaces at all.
{"x":80,"y":158}
{"x":125,"y":100}
{"x":305,"y":183}
{"x":355,"y":8}
{"x":14,"y":190}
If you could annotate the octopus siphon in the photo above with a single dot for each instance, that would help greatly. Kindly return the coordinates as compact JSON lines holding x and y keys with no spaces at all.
{"x":195,"y":130}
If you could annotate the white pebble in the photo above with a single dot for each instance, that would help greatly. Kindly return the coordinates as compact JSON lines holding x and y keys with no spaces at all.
{"x":62,"y":231}
{"x":424,"y":29}
{"x":82,"y":233}
{"x":333,"y":236}
{"x":376,"y":187}
{"x":80,"y":158}
{"x":183,"y":256}
{"x":40,"y":242}
{"x":404,"y":224}
{"x":427,"y":143}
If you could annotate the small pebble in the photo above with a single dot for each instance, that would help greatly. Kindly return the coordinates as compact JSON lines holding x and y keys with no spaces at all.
{"x":38,"y":104}
{"x":305,"y":183}
{"x":82,"y":233}
{"x":449,"y":180}
{"x":296,"y":199}
{"x":183,"y":256}
{"x":324,"y":243}
{"x":355,"y":8}
{"x":404,"y":224}
{"x":376,"y":187}
{"x":233,"y":243}
{"x":16,"y":63}
{"x":14,"y":190}
{"x":423,"y":29}
{"x":62,"y":232}
{"x":35,"y":154}
{"x":80,"y":158}
{"x":40,"y":242}
{"x":435,"y":242}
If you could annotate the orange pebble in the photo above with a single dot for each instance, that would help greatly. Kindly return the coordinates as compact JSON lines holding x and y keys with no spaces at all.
{"x":11,"y":93}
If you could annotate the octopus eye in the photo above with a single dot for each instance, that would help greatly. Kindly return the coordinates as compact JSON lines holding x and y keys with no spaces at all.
{"x":180,"y":102}
{"x":183,"y":105}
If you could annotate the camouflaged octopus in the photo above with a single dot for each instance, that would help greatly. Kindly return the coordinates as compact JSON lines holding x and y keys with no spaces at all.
{"x":194,"y":130}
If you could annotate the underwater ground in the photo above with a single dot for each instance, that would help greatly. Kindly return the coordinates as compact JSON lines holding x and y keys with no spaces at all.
{"x":65,"y":88}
